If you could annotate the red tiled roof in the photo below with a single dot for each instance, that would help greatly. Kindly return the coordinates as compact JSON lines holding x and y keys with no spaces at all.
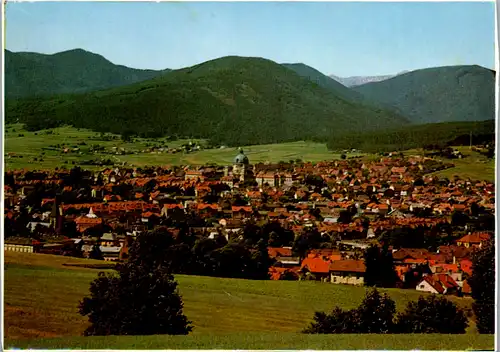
{"x":446,"y":280}
{"x":201,"y":206}
{"x":434,"y":284}
{"x":357,"y":266}
{"x":245,"y":209}
{"x":475,"y":238}
{"x":316,"y":265}
{"x":279,"y":252}
{"x":86,"y":220}
{"x":173,"y":206}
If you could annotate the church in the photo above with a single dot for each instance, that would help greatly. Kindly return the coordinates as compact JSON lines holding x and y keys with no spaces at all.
{"x":241,"y":170}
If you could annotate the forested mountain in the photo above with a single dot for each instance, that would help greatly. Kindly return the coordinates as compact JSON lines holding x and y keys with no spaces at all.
{"x":74,"y":71}
{"x":440,"y":94}
{"x":231,"y":100}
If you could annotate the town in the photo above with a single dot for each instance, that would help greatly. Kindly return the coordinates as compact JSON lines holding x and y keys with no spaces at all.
{"x":316,"y":220}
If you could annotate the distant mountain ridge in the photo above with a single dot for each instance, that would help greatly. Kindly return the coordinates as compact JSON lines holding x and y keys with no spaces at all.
{"x":439,"y":94}
{"x":30,"y":74}
{"x":359,"y":80}
{"x":325,"y":81}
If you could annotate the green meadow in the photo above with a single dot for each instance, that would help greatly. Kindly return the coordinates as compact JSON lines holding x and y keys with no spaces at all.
{"x":32,"y":144}
{"x":41,"y":298}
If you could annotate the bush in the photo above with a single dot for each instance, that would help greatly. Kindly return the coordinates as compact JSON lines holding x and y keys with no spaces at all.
{"x":338,"y":322}
{"x":375,"y":315}
{"x":432,"y":315}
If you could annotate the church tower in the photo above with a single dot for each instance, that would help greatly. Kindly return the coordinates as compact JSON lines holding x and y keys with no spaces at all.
{"x":241,"y":166}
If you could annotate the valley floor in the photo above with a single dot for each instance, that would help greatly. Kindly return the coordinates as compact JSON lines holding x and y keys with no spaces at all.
{"x":41,"y":298}
{"x":37,"y":145}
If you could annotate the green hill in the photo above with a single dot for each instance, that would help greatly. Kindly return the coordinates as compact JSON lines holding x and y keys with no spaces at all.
{"x":73,"y":71}
{"x":441,"y":94}
{"x":231,"y":100}
{"x":41,"y":296}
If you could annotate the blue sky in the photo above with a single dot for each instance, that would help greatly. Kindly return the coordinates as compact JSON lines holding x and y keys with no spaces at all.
{"x":345,"y":39}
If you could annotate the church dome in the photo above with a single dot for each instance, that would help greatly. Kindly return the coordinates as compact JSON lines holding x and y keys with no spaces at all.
{"x":241,"y":158}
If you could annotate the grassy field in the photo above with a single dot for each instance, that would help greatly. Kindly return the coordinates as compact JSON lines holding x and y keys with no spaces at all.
{"x":31,"y":145}
{"x":41,"y":298}
{"x":474,"y":165}
{"x":269,"y":341}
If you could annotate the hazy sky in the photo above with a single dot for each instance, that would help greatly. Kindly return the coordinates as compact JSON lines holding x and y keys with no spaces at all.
{"x":336,"y":38}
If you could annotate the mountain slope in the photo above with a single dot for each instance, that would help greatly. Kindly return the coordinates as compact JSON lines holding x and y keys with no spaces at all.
{"x":73,"y":71}
{"x":325,"y":81}
{"x":231,"y":100}
{"x":441,"y":94}
{"x":359,"y":80}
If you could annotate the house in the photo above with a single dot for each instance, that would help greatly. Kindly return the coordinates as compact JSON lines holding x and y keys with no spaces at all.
{"x":453,"y":270}
{"x":474,"y":240}
{"x":351,"y":272}
{"x":317,"y":268}
{"x":108,"y":240}
{"x":21,"y":244}
{"x":428,"y":284}
{"x":438,"y":284}
{"x":111,"y":253}
{"x":241,"y":211}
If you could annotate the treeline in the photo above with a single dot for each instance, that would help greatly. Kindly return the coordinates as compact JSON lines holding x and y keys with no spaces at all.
{"x":438,"y":135}
{"x":189,"y":253}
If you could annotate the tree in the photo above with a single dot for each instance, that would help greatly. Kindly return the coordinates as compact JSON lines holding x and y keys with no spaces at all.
{"x":337,"y":322}
{"x":375,"y":314}
{"x":150,"y":250}
{"x":459,"y":219}
{"x":432,"y":315}
{"x":136,"y":302}
{"x":96,"y":253}
{"x":482,"y":283}
{"x":127,"y":135}
{"x":380,"y":270}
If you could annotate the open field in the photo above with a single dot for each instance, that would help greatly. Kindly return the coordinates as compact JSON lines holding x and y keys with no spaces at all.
{"x":474,"y":165}
{"x":41,"y":298}
{"x":31,"y":146}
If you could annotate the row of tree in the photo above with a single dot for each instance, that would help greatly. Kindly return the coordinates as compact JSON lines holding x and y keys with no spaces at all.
{"x":377,"y":315}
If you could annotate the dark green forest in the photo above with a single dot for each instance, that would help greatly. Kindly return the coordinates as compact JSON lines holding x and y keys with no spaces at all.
{"x":231,"y":100}
{"x":419,"y":136}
